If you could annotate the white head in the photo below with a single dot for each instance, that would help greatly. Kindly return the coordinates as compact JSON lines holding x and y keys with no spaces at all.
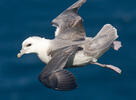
{"x":31,"y":45}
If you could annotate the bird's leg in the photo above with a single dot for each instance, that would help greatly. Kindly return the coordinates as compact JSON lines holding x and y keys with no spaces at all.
{"x":116,"y":69}
{"x":116,"y":45}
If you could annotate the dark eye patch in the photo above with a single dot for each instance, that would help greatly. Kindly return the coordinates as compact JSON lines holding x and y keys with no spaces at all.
{"x":28,"y":45}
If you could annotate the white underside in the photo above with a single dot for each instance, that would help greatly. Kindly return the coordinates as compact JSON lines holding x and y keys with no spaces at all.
{"x":79,"y":59}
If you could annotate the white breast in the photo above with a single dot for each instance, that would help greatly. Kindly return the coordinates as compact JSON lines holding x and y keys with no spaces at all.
{"x":44,"y":58}
{"x":43,"y":51}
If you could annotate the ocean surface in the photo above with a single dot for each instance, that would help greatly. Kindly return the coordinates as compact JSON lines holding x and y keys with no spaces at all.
{"x":20,"y":19}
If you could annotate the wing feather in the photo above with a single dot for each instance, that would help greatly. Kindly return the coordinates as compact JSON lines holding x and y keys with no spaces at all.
{"x":69,"y":23}
{"x":54,"y":76}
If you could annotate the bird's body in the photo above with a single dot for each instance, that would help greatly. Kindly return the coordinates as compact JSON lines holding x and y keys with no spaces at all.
{"x":45,"y":46}
{"x":70,"y":48}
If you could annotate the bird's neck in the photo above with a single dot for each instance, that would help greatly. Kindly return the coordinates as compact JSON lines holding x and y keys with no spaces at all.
{"x":43,"y":49}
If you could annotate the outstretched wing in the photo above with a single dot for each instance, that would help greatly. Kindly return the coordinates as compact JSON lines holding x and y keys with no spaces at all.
{"x":69,"y":24}
{"x":54,"y":76}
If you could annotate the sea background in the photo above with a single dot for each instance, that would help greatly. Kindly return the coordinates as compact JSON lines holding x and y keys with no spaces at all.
{"x":20,"y":19}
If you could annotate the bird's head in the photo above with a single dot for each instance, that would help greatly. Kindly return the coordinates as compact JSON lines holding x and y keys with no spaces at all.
{"x":30,"y":45}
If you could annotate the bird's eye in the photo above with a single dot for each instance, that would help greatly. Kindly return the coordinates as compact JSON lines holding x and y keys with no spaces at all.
{"x":28,"y":45}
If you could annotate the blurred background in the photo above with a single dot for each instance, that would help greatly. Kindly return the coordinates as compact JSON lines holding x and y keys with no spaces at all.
{"x":20,"y":19}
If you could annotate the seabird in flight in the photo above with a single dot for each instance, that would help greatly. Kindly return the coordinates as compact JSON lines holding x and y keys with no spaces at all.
{"x":70,"y":48}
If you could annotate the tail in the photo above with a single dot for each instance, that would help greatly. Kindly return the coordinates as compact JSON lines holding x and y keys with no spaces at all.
{"x":103,"y":40}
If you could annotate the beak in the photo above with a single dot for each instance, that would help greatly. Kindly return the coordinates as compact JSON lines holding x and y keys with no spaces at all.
{"x":20,"y":54}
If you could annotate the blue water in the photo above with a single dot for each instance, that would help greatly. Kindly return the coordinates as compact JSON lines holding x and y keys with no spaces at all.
{"x":20,"y":19}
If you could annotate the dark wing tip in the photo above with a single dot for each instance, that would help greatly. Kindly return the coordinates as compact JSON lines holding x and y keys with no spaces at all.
{"x":77,"y":4}
{"x":61,"y":80}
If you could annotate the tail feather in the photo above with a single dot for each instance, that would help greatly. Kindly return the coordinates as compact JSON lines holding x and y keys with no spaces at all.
{"x":107,"y":30}
{"x":103,"y":40}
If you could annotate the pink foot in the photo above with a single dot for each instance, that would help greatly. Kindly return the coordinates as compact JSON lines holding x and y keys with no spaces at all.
{"x":117,"y":45}
{"x":116,"y":69}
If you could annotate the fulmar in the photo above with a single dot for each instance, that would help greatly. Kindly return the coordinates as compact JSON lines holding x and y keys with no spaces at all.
{"x":70,"y":48}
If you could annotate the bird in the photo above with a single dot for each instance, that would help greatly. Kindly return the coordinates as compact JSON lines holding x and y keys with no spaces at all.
{"x":70,"y":48}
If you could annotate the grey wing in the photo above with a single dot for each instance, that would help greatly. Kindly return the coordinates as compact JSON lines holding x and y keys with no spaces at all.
{"x":54,"y":76}
{"x":69,"y":24}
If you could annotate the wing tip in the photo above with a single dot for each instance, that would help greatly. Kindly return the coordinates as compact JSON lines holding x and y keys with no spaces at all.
{"x":61,"y":80}
{"x":77,"y":4}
